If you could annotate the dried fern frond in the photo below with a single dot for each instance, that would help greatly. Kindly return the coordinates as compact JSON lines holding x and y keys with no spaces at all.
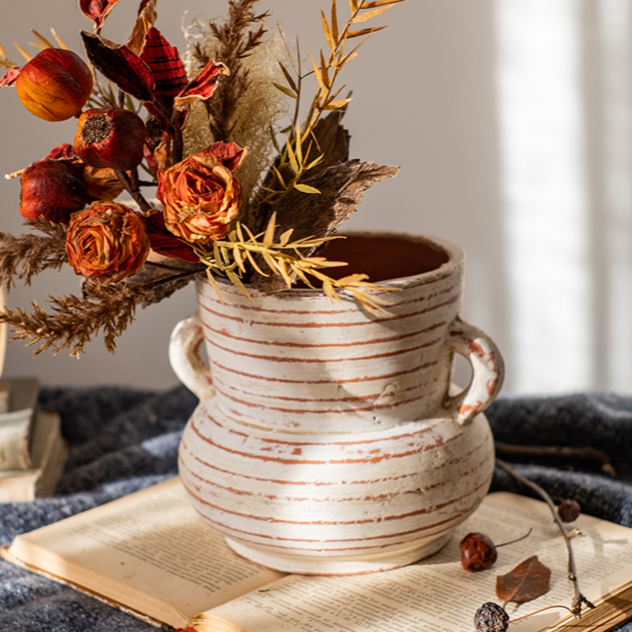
{"x":24,"y":256}
{"x":107,"y":308}
{"x":283,"y":257}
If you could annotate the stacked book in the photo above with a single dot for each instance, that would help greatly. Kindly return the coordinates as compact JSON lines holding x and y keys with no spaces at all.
{"x":32,"y":451}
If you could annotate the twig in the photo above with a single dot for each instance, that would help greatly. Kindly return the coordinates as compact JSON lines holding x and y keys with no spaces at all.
{"x":559,"y":451}
{"x":579,"y":598}
{"x":124,"y":179}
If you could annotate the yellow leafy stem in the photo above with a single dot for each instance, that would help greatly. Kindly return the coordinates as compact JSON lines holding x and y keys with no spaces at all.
{"x":284,"y":258}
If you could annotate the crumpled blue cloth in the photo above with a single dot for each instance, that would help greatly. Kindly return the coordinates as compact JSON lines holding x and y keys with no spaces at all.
{"x":122,"y":440}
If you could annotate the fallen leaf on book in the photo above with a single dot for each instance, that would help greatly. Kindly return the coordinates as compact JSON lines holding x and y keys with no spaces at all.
{"x":526,"y":582}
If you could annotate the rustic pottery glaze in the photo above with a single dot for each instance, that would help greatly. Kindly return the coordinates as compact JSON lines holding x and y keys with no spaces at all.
{"x":327,"y":439}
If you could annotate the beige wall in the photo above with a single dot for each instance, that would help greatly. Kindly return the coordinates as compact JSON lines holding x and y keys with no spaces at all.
{"x":424,"y":98}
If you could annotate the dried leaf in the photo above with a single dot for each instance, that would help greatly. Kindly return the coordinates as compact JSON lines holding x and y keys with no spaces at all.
{"x":164,"y":61}
{"x":526,"y":582}
{"x":341,"y":189}
{"x":121,"y":66}
{"x":144,"y":23}
{"x":370,"y":15}
{"x":166,"y":243}
{"x":10,"y":76}
{"x":202,"y":86}
{"x":97,"y":10}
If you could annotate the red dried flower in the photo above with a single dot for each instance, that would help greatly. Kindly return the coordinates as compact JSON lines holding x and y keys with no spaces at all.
{"x":107,"y":242}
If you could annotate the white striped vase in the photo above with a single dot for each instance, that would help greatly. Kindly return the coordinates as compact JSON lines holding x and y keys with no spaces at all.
{"x":326,"y":440}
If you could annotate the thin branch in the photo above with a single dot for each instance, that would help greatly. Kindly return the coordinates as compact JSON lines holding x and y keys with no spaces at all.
{"x":559,"y":451}
{"x":579,"y":599}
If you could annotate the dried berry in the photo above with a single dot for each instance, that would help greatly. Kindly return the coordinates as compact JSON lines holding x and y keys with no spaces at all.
{"x":52,"y":189}
{"x":478,"y":552}
{"x":112,"y":138}
{"x":54,"y":85}
{"x":491,"y":617}
{"x":569,"y":510}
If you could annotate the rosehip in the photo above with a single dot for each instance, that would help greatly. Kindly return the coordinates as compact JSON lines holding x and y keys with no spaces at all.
{"x":110,"y":138}
{"x":54,"y":85}
{"x":569,"y":510}
{"x":477,"y":552}
{"x":52,"y":189}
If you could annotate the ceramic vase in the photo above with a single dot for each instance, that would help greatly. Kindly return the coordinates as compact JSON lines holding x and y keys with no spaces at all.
{"x":328,"y":439}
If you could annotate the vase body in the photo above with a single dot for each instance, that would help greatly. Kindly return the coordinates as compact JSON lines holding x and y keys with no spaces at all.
{"x":327,"y":440}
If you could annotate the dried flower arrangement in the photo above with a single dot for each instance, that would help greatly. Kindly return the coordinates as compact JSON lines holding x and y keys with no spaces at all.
{"x":235,"y":200}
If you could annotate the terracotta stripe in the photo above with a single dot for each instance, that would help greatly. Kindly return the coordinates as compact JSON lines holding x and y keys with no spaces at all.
{"x":212,"y":298}
{"x":329,"y":411}
{"x":327,"y":325}
{"x":375,"y":547}
{"x":301,"y":345}
{"x":327,"y":441}
{"x":350,"y":381}
{"x":282,"y":398}
{"x":285,"y":461}
{"x":284,"y":482}
{"x":376,"y":356}
{"x":232,"y":530}
{"x":268,"y":519}
{"x":297,"y":499}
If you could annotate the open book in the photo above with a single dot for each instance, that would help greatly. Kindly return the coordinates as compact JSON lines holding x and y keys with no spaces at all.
{"x":152,"y":555}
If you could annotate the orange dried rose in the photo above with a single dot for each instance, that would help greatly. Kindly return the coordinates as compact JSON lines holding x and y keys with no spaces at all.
{"x":106,"y":242}
{"x":201,"y":195}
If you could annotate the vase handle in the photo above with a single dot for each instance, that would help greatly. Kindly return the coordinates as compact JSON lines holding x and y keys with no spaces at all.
{"x":488,"y":370}
{"x":185,"y":359}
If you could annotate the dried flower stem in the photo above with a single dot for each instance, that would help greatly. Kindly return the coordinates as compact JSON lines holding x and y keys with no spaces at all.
{"x":134,"y":191}
{"x":578,"y":599}
{"x":235,"y":42}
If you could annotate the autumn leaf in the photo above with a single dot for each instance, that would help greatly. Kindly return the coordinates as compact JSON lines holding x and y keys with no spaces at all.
{"x":10,"y":76}
{"x":165,"y":64}
{"x":97,"y":10}
{"x":121,"y":66}
{"x":526,"y":582}
{"x":202,"y":86}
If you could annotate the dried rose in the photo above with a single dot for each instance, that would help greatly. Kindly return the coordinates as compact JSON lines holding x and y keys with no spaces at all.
{"x":111,"y":138}
{"x":107,"y":242}
{"x":478,"y":552}
{"x":491,"y":617}
{"x":53,"y":189}
{"x":102,"y":183}
{"x":54,"y":85}
{"x":200,"y":195}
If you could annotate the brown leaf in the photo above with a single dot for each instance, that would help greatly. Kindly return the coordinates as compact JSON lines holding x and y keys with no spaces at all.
{"x":341,"y":189}
{"x":526,"y":582}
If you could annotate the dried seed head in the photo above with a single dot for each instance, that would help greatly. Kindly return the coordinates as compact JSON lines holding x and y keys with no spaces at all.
{"x":491,"y":617}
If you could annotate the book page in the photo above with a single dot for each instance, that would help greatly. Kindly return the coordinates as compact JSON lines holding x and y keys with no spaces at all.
{"x":144,"y":550}
{"x":436,"y":594}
